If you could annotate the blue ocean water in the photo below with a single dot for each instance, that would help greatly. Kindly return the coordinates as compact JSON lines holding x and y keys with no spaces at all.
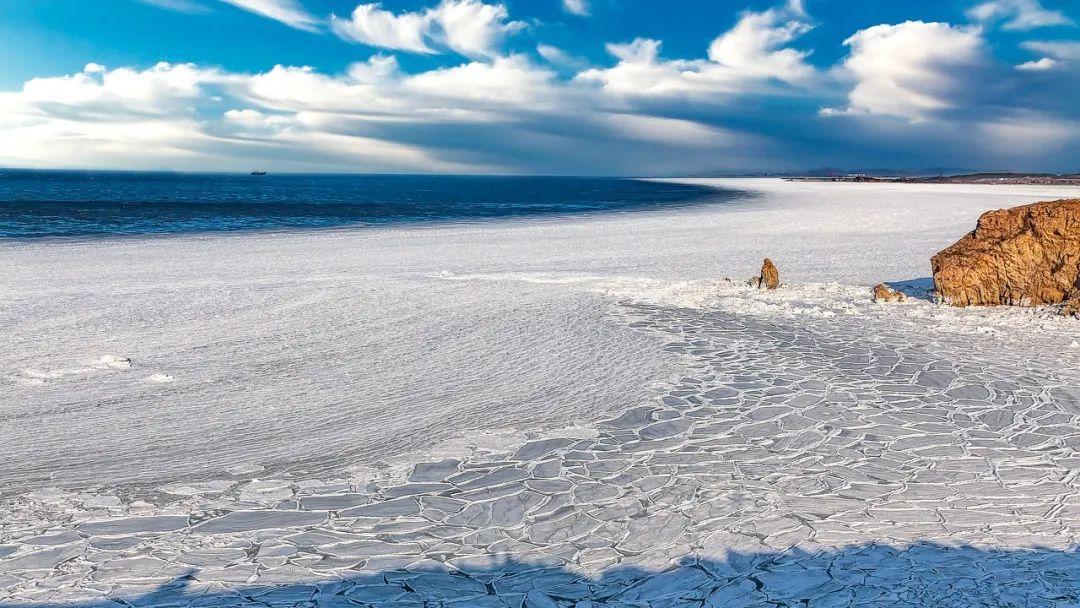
{"x":73,"y":203}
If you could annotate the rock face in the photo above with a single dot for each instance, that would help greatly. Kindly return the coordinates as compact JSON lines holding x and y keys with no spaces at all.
{"x":770,"y":276}
{"x":1024,"y":256}
{"x":883,"y":293}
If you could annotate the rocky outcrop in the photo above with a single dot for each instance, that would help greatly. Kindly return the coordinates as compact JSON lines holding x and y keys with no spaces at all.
{"x":884,"y":293}
{"x":769,"y":278}
{"x":1071,"y":307}
{"x":1024,"y":256}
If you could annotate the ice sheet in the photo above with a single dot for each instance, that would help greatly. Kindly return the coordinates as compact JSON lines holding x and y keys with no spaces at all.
{"x":813,"y":447}
{"x":162,"y":359}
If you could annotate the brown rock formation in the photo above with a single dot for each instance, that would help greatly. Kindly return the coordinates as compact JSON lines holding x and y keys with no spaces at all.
{"x":883,"y":293}
{"x":1023,"y":256}
{"x":1071,"y":307}
{"x":770,"y":276}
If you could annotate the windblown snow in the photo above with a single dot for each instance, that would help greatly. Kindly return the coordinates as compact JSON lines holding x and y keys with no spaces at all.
{"x":556,"y":412}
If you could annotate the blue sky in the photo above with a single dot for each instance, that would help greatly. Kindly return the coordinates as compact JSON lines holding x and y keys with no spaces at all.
{"x":539,"y":86}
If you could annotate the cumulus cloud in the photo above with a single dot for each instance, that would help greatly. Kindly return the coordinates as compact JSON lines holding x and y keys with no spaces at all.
{"x":755,"y":46}
{"x":163,"y":90}
{"x":943,"y":81}
{"x":1017,"y":14}
{"x":576,"y":7}
{"x":69,"y":120}
{"x":754,"y":51}
{"x":468,"y":27}
{"x":912,"y":69}
{"x":472,"y":28}
{"x":371,"y":25}
{"x":508,"y":81}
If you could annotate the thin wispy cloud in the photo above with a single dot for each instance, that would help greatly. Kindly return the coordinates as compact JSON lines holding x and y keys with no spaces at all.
{"x":1066,"y":50}
{"x":183,"y":6}
{"x":1017,"y":14}
{"x":559,"y":57}
{"x":289,"y":12}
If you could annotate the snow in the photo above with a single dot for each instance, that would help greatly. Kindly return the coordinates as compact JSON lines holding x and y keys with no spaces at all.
{"x":656,"y":434}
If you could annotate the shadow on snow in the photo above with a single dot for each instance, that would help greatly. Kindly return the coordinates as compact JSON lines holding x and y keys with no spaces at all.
{"x":862,"y":575}
{"x":921,"y":288}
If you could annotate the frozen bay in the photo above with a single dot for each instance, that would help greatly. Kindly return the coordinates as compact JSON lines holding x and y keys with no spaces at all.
{"x":757,"y":447}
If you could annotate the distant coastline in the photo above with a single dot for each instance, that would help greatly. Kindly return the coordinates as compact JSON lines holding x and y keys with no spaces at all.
{"x":1040,"y":179}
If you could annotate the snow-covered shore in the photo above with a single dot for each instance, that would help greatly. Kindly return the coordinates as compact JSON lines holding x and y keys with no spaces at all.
{"x":755,"y":440}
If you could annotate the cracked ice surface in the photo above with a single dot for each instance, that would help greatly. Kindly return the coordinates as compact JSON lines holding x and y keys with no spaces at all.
{"x":757,"y":479}
{"x":817,"y":449}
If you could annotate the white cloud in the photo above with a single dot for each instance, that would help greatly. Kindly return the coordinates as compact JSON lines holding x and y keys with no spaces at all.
{"x":671,"y":131}
{"x":371,"y":25}
{"x":942,"y":79}
{"x":1041,"y":65}
{"x":559,"y":57}
{"x":1064,"y":50}
{"x":576,"y":7}
{"x":499,"y":112}
{"x":376,"y":90}
{"x":509,"y":81}
{"x":246,"y":117}
{"x":468,"y":27}
{"x":1017,"y":14}
{"x":755,"y":45}
{"x":164,"y":89}
{"x":912,"y":69}
{"x":506,"y":114}
{"x":753,"y":52}
{"x":134,"y":118}
{"x":183,"y":6}
{"x":289,"y":12}
{"x":553,"y":54}
{"x":1026,"y":133}
{"x":165,"y":117}
{"x":302,"y":89}
{"x":473,"y":28}
{"x":640,"y":71}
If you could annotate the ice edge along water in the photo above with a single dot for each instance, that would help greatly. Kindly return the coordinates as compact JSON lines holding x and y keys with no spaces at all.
{"x":807,"y":420}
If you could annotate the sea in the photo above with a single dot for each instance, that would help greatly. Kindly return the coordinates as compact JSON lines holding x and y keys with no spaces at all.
{"x":85,"y":203}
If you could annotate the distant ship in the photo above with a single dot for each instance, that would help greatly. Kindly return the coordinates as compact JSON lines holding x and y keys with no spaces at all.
{"x":258,"y":172}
